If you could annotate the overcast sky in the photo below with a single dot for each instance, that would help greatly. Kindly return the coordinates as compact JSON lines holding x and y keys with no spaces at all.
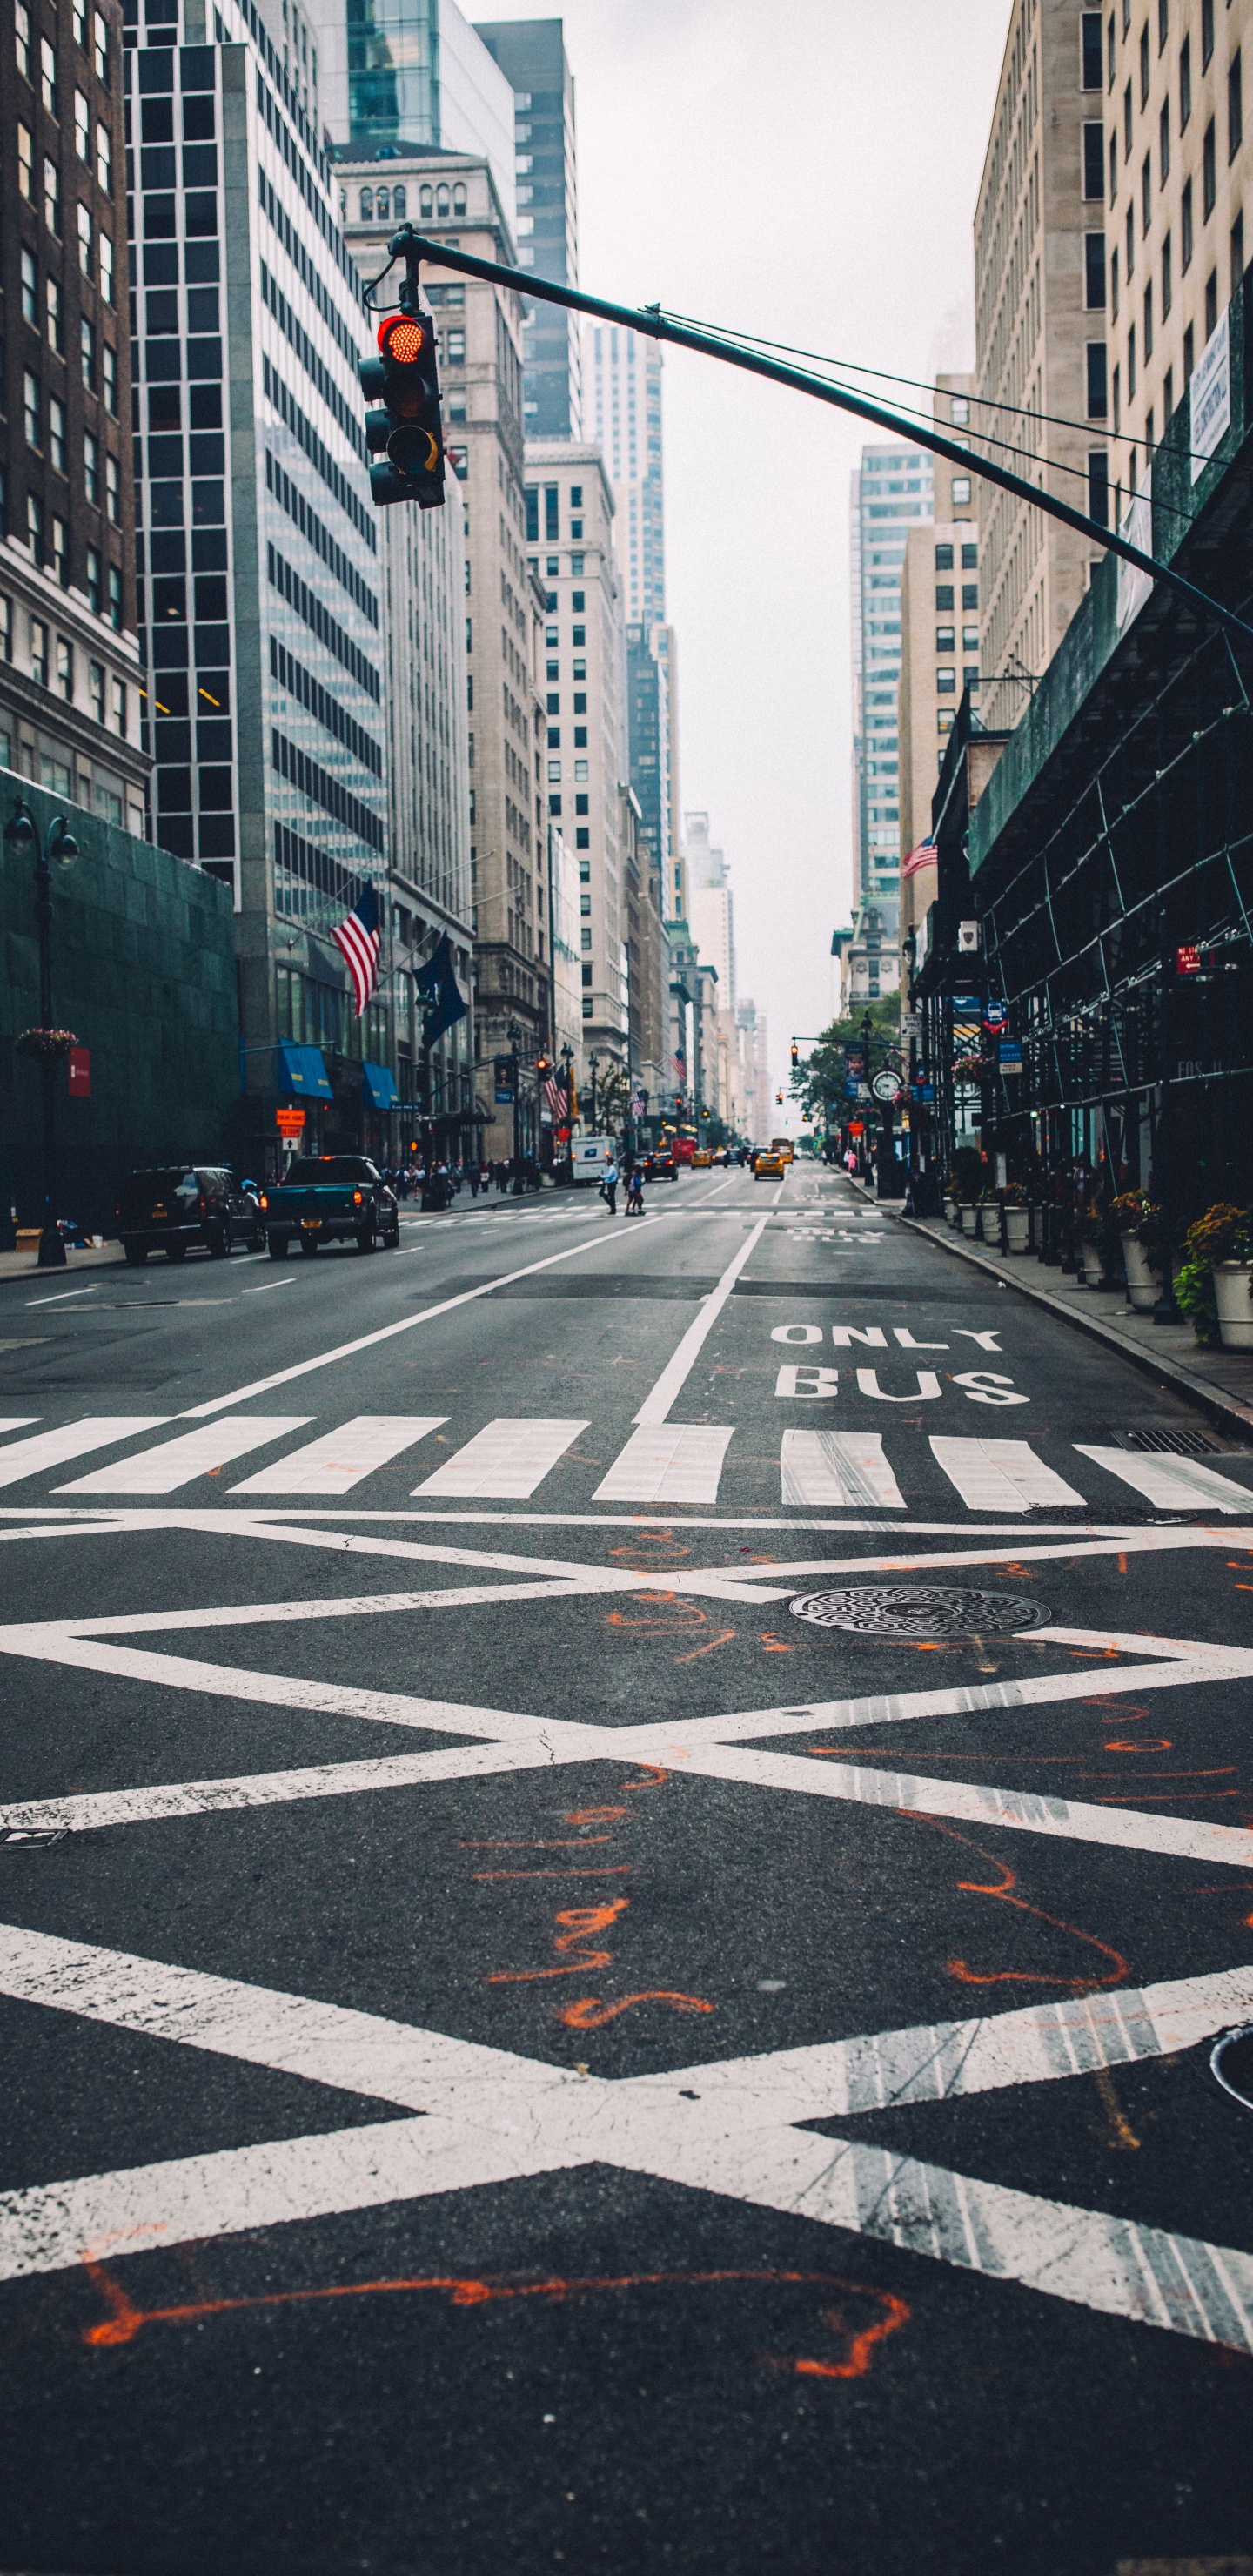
{"x":806,"y":170}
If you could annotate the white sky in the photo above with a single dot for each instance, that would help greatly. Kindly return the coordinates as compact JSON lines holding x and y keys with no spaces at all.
{"x":805,"y":169}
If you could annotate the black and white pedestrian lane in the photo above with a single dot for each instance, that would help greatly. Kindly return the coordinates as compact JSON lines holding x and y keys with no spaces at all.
{"x":625,"y":1875}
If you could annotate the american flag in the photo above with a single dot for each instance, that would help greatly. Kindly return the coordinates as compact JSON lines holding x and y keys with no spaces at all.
{"x":554,"y":1094}
{"x":359,"y":938}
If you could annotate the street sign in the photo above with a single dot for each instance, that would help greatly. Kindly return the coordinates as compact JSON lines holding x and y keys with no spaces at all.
{"x":856,"y":1127}
{"x":885,"y":1085}
{"x":504,"y":1081}
{"x":967,"y":938}
{"x":80,"y":1073}
{"x":290,"y":1122}
{"x":1010,"y":1054}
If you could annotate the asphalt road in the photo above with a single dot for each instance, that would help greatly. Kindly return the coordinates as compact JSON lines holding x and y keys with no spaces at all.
{"x":524,"y":2050}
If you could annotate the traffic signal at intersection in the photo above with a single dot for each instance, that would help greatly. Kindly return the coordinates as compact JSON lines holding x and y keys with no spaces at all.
{"x":405,"y":433}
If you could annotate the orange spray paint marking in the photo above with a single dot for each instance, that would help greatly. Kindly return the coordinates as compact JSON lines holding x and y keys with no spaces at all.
{"x":589,"y":2013}
{"x":1003,"y":1894}
{"x":615,"y":1869}
{"x":1120,"y":2133}
{"x":582,"y":1921}
{"x":710,"y":1649}
{"x":776,"y":1645}
{"x":519,"y":1842}
{"x":686,"y":1615}
{"x":595,"y":1816}
{"x":126,"y":2320}
{"x":1122,"y":1563}
{"x":1151,"y":1744}
{"x":651,"y":1777}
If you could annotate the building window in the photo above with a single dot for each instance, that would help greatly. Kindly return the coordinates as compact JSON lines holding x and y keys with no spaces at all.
{"x":943,"y":563}
{"x":1148,"y":322}
{"x":1090,"y":49}
{"x":56,"y":433}
{"x":944,"y":720}
{"x":1185,"y":227}
{"x":25,"y":162}
{"x":399,"y":204}
{"x":95,"y":587}
{"x":961,"y":490}
{"x":65,"y":669}
{"x":87,"y":352}
{"x":1098,"y":380}
{"x":1168,"y":399}
{"x":1131,"y":364}
{"x":35,"y":526}
{"x":1117,"y":402}
{"x":945,"y":682}
{"x":1237,"y":252}
{"x":1235,"y":107}
{"x":1207,"y":31}
{"x":91,"y":468}
{"x":1093,"y":160}
{"x":1211,"y":304}
{"x":30,"y":409}
{"x":1126,"y":123}
{"x":60,"y":552}
{"x":1130,"y":238}
{"x":6,"y":628}
{"x":1146,"y":194}
{"x":1189,"y":354}
{"x":426,"y":203}
{"x":106,"y":269}
{"x":84,"y":242}
{"x":582,"y":837}
{"x":95,"y":689}
{"x":110,"y":381}
{"x":21,"y":37}
{"x":1145,"y":74}
{"x":1167,"y":285}
{"x":82,"y":127}
{"x":945,"y":639}
{"x":39,"y":652}
{"x":52,"y":197}
{"x":101,"y":37}
{"x":30,"y":288}
{"x":112,"y":491}
{"x":52,"y":298}
{"x":119,"y":713}
{"x":1098,"y":489}
{"x":367,"y":205}
{"x":48,"y":75}
{"x":1094,"y":271}
{"x":1209,"y":171}
{"x":958,"y":412}
{"x":104,"y":159}
{"x":1113,"y":284}
{"x":1185,"y":82}
{"x":944,"y":591}
{"x":1113,"y":168}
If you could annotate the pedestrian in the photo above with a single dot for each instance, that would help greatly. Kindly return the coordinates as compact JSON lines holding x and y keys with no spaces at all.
{"x":635,"y":1192}
{"x":609,"y":1186}
{"x":474,"y":1179}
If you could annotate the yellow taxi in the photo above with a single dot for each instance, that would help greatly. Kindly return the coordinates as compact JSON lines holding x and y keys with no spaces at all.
{"x":701,"y":1159}
{"x":771,"y":1165}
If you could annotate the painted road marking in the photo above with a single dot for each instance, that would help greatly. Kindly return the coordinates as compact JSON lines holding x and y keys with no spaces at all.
{"x":1001,"y":1475}
{"x":489,"y":2116}
{"x":17,"y":1421}
{"x":671,"y":1462}
{"x":1172,"y":1484}
{"x":675,"y":1374}
{"x":388,"y":1332}
{"x":505,"y":1461}
{"x":340,"y":1459}
{"x":177,"y":1462}
{"x":838,"y":1467}
{"x":53,"y":1448}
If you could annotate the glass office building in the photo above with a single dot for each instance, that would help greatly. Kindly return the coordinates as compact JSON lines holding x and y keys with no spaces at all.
{"x":531,"y":54}
{"x":890,"y":491}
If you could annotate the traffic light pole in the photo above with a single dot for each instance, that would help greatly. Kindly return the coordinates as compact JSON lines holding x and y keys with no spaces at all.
{"x":415,"y":249}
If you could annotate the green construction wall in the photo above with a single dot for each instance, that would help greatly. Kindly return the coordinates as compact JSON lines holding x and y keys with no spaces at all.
{"x":143,"y":971}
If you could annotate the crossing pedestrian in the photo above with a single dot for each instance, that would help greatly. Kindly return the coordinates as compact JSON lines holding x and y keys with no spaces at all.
{"x":609,"y":1186}
{"x":635,"y":1192}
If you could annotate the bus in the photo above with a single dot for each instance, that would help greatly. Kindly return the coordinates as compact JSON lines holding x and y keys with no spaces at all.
{"x":782,"y":1145}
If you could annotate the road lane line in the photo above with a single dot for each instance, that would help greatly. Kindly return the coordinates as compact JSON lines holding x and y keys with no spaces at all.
{"x":72,"y":1440}
{"x":178,"y":1462}
{"x":407,"y":1324}
{"x":507,"y":1459}
{"x":656,"y":1406}
{"x":340,"y":1459}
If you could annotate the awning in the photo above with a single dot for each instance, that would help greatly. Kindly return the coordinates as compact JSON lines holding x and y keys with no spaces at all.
{"x":379,"y":1086}
{"x":300,"y":1070}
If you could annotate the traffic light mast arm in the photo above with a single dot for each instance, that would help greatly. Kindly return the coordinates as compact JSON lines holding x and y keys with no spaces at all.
{"x":414,"y":248}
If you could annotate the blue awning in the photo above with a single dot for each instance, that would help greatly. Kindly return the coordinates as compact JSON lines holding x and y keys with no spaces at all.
{"x":379,"y":1086}
{"x":300,"y":1070}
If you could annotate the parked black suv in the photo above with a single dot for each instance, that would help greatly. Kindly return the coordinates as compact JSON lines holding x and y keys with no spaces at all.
{"x":181,"y":1207}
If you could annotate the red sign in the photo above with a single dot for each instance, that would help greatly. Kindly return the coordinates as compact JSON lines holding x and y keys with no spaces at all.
{"x":1187,"y":961}
{"x":290,"y":1122}
{"x":80,"y":1073}
{"x":857,"y":1127}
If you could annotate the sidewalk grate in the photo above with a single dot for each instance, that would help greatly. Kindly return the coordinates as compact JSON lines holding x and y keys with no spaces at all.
{"x":1183,"y":1444}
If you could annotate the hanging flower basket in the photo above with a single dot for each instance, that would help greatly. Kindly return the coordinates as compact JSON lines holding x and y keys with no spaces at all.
{"x":971,"y":1068}
{"x":45,"y":1046}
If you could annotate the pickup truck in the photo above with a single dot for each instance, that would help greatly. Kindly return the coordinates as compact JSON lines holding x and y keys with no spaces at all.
{"x":329,"y":1198}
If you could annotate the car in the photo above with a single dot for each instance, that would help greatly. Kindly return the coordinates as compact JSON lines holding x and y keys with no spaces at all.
{"x":701,"y":1159}
{"x":770,"y":1165}
{"x":178,"y":1208}
{"x":721,"y":1158}
{"x":660,"y":1165}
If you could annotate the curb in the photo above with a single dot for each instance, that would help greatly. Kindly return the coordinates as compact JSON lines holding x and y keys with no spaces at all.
{"x":1226,"y":1411}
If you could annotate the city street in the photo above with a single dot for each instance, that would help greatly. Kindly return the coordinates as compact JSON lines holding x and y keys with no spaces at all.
{"x":624,"y":1844}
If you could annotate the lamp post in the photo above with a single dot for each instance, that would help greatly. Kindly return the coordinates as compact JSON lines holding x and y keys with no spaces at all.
{"x":515,"y":1034}
{"x":567,"y":1085}
{"x":21,"y":835}
{"x":593,"y":1061}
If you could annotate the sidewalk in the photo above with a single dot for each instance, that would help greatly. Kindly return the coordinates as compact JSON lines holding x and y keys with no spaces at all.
{"x":1221,"y":1382}
{"x":25,"y":1264}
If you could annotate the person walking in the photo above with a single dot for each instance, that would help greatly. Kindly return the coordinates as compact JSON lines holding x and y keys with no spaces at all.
{"x":635,"y":1192}
{"x":473,"y":1178}
{"x":609,"y":1186}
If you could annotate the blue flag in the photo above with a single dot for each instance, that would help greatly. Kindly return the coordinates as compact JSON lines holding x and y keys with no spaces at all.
{"x":437,"y":982}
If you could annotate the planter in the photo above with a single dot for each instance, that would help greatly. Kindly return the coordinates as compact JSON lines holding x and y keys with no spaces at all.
{"x":969,"y":1220}
{"x":1144,"y":1283}
{"x":1092,"y":1261}
{"x":1233,"y":1284}
{"x":950,"y":1211}
{"x":1017,"y":1228}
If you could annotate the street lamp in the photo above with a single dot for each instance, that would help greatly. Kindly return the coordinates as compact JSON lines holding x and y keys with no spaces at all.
{"x":515,"y":1035}
{"x":593,"y":1061}
{"x":21,"y":836}
{"x":567,"y":1080}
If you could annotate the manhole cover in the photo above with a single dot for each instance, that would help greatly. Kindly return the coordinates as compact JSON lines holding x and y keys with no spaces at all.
{"x":1231,"y":2059}
{"x":917,"y":1610}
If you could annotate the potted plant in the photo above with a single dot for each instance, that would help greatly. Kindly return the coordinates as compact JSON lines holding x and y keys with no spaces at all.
{"x":1017,"y":1217}
{"x":1214,"y":1282}
{"x":1138,"y":1222}
{"x":1092,"y":1248}
{"x":950,"y":1197}
{"x":968,"y":1180}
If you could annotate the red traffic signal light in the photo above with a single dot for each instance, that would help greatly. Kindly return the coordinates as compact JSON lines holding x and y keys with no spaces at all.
{"x":407,"y":426}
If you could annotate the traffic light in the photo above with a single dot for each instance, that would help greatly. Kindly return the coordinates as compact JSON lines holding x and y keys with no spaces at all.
{"x":543,"y":1067}
{"x":779,"y":1099}
{"x":795,"y":1055}
{"x":406,"y":433}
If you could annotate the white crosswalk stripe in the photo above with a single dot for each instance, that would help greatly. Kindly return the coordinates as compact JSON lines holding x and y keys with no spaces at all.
{"x":1001,"y":1475}
{"x":838,"y":1467}
{"x":72,"y":1440}
{"x":1172,"y":1484}
{"x":340,"y":1459}
{"x":668,"y":1462}
{"x":177,"y":1462}
{"x":505,"y":1461}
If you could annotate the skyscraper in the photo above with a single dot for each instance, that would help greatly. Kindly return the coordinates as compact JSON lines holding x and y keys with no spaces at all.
{"x":532,"y":55}
{"x":400,"y":75}
{"x":623,"y":372}
{"x":890,"y":492}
